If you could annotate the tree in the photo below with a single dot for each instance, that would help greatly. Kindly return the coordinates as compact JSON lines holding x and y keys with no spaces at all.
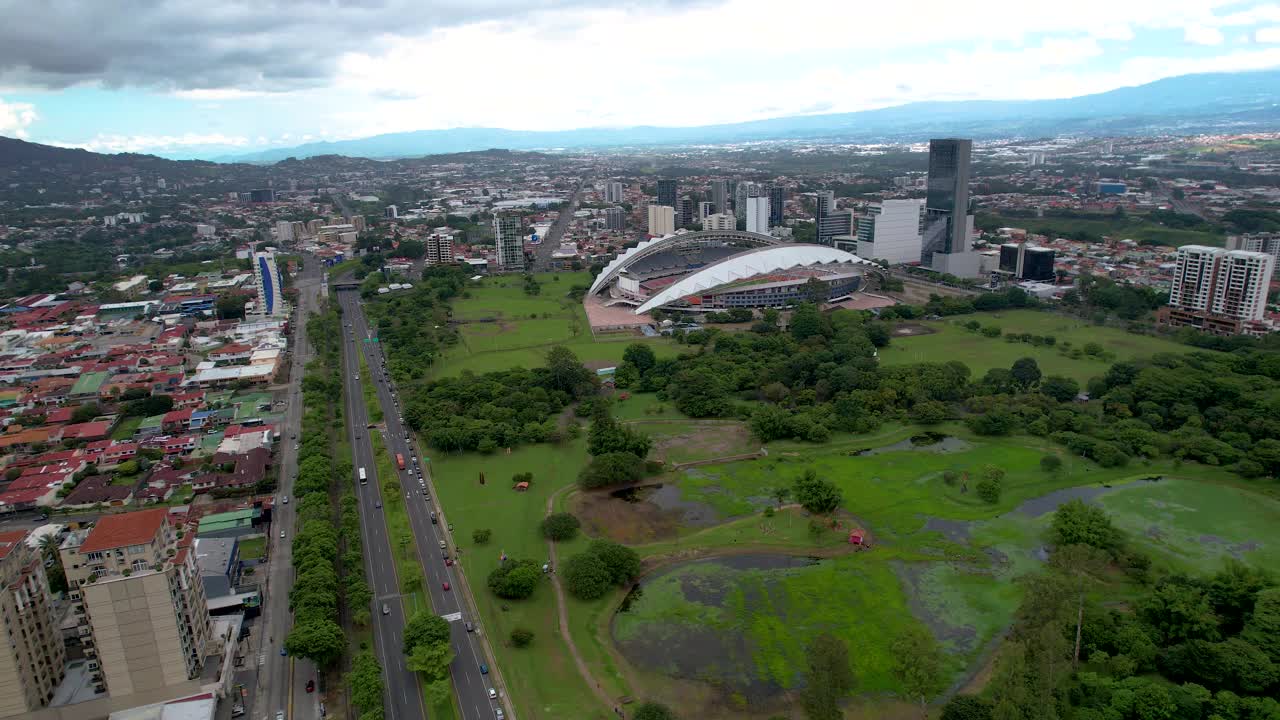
{"x":653,"y":711}
{"x":515,"y":579}
{"x":967,"y":707}
{"x":1180,"y":611}
{"x":828,"y":678}
{"x":1084,"y":564}
{"x":816,"y":494}
{"x":1263,"y":628}
{"x":929,"y":412}
{"x":318,"y":639}
{"x":560,"y":526}
{"x":610,"y":469}
{"x":481,"y":536}
{"x":521,"y":637}
{"x":780,"y":494}
{"x":86,"y":412}
{"x":989,"y":490}
{"x":622,"y":562}
{"x":1079,"y":523}
{"x":436,"y":692}
{"x":1062,"y":389}
{"x":586,"y":576}
{"x":425,"y":628}
{"x":641,"y":356}
{"x":365,"y":683}
{"x":701,"y":392}
{"x":918,"y":665}
{"x":431,"y":659}
{"x":566,"y":372}
{"x":1050,"y":463}
{"x":1026,"y":373}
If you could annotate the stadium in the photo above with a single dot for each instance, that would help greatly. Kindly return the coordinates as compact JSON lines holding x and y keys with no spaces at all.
{"x":717,"y":270}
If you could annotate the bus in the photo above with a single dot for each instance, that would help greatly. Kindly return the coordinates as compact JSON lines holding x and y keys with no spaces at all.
{"x":400,"y":461}
{"x":364,"y":479}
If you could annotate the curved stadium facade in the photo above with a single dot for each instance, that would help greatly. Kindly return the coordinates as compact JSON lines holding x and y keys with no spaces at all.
{"x":724,"y":269}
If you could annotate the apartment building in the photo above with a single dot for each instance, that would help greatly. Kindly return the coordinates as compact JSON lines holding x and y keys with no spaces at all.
{"x":31,"y":662}
{"x":136,"y":585}
{"x":439,"y":249}
{"x":1219,"y":291}
{"x":662,"y":220}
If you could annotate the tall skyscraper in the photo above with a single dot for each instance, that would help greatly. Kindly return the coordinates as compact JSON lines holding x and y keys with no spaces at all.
{"x":743,"y":191}
{"x":830,"y":222}
{"x":758,"y":215}
{"x":1027,"y":262}
{"x":777,"y":201}
{"x":270,"y":285}
{"x":890,"y":230}
{"x":391,"y":212}
{"x":662,"y":220}
{"x":439,"y":249}
{"x":137,"y":587}
{"x":684,"y":212}
{"x":284,"y":231}
{"x":947,"y":226}
{"x":720,"y":195}
{"x":1219,"y":291}
{"x":33,"y":659}
{"x":615,"y":218}
{"x":508,"y":240}
{"x":613,"y":191}
{"x":667,"y":192}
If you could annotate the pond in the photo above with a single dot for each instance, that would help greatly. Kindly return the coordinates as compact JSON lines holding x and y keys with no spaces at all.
{"x":925,"y":442}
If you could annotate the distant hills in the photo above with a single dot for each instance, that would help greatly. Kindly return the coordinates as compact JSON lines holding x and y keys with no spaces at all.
{"x":1215,"y":102}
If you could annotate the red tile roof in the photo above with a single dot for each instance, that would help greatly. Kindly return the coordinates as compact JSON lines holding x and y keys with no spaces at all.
{"x":113,"y":531}
{"x":9,"y":540}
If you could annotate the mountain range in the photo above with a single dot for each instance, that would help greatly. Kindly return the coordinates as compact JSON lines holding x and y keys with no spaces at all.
{"x":1188,"y":104}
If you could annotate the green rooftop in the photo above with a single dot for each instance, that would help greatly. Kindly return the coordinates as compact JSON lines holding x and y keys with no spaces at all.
{"x":226,"y":521}
{"x":89,"y":383}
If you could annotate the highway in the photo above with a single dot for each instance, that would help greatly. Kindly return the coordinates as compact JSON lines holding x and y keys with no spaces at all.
{"x":281,"y":682}
{"x":471,"y":686}
{"x":403,"y":691}
{"x":543,"y":250}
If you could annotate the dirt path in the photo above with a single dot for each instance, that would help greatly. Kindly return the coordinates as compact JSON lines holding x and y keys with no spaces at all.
{"x":562,"y":610}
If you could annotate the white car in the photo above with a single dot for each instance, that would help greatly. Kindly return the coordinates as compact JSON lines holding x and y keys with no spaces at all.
{"x":493,"y":694}
{"x":282,"y":533}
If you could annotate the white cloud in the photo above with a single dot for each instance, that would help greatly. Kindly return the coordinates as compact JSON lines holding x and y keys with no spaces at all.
{"x":1267,"y":34}
{"x":1202,"y":35}
{"x":15,"y":118}
{"x":217,"y":94}
{"x":155,"y":143}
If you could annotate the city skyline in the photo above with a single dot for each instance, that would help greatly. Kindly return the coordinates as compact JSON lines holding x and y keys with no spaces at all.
{"x":180,"y":77}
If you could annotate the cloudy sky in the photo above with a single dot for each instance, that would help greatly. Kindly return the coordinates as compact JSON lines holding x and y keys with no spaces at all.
{"x":206,"y":77}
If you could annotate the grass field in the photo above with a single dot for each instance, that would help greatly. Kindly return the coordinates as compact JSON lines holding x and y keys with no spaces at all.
{"x":981,"y":353}
{"x":126,"y":428}
{"x":253,"y":548}
{"x":542,"y":678}
{"x":506,"y":328}
{"x":1133,"y":227}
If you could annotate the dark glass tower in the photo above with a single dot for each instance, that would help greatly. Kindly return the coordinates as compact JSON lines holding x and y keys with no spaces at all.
{"x":667,"y":191}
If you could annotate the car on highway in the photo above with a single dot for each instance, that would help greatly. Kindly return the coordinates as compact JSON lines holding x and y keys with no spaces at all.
{"x":448,"y":562}
{"x":497,"y":714}
{"x":470,"y":627}
{"x":386,"y":609}
{"x":279,"y":715}
{"x":493,"y":694}
{"x":311,"y":686}
{"x":442,"y":545}
{"x":377,"y":503}
{"x":281,"y":533}
{"x":484,"y":669}
{"x":284,"y":652}
{"x":285,"y":499}
{"x":445,"y":586}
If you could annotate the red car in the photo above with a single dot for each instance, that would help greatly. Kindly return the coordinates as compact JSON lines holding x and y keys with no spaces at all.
{"x":446,"y":586}
{"x":311,"y":686}
{"x":448,"y":562}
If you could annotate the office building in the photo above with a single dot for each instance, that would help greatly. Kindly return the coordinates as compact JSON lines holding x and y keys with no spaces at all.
{"x":391,"y":212}
{"x":705,"y":209}
{"x":891,"y":230}
{"x":667,"y":192}
{"x":684,"y":212}
{"x":719,"y":221}
{"x":662,"y":220}
{"x":720,"y":196}
{"x":439,"y":249}
{"x":1268,"y":243}
{"x":742,"y":192}
{"x":358,"y":222}
{"x":508,"y":241}
{"x":1110,"y":187}
{"x":830,"y":222}
{"x":1219,"y":291}
{"x":947,"y":227}
{"x":32,"y":666}
{"x":1027,"y":262}
{"x":615,"y":218}
{"x":757,"y":212}
{"x":284,"y":231}
{"x":270,"y":286}
{"x":262,"y":196}
{"x":137,"y":588}
{"x":613,"y":191}
{"x":777,"y":200}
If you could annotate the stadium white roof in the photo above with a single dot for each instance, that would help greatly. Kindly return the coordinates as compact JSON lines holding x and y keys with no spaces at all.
{"x":749,"y":264}
{"x":680,"y":239}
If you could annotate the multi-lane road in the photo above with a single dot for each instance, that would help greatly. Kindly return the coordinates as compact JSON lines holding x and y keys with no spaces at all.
{"x":281,"y":681}
{"x":477,"y":683}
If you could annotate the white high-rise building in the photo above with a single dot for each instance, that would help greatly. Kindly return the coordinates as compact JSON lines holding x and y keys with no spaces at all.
{"x":613,"y":191}
{"x":509,"y":242}
{"x":758,"y":215}
{"x":705,"y":209}
{"x":270,"y":285}
{"x":1268,"y":243}
{"x":720,"y":221}
{"x":1229,"y":283}
{"x":284,"y":231}
{"x":891,"y":230}
{"x":662,"y":220}
{"x":439,"y":249}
